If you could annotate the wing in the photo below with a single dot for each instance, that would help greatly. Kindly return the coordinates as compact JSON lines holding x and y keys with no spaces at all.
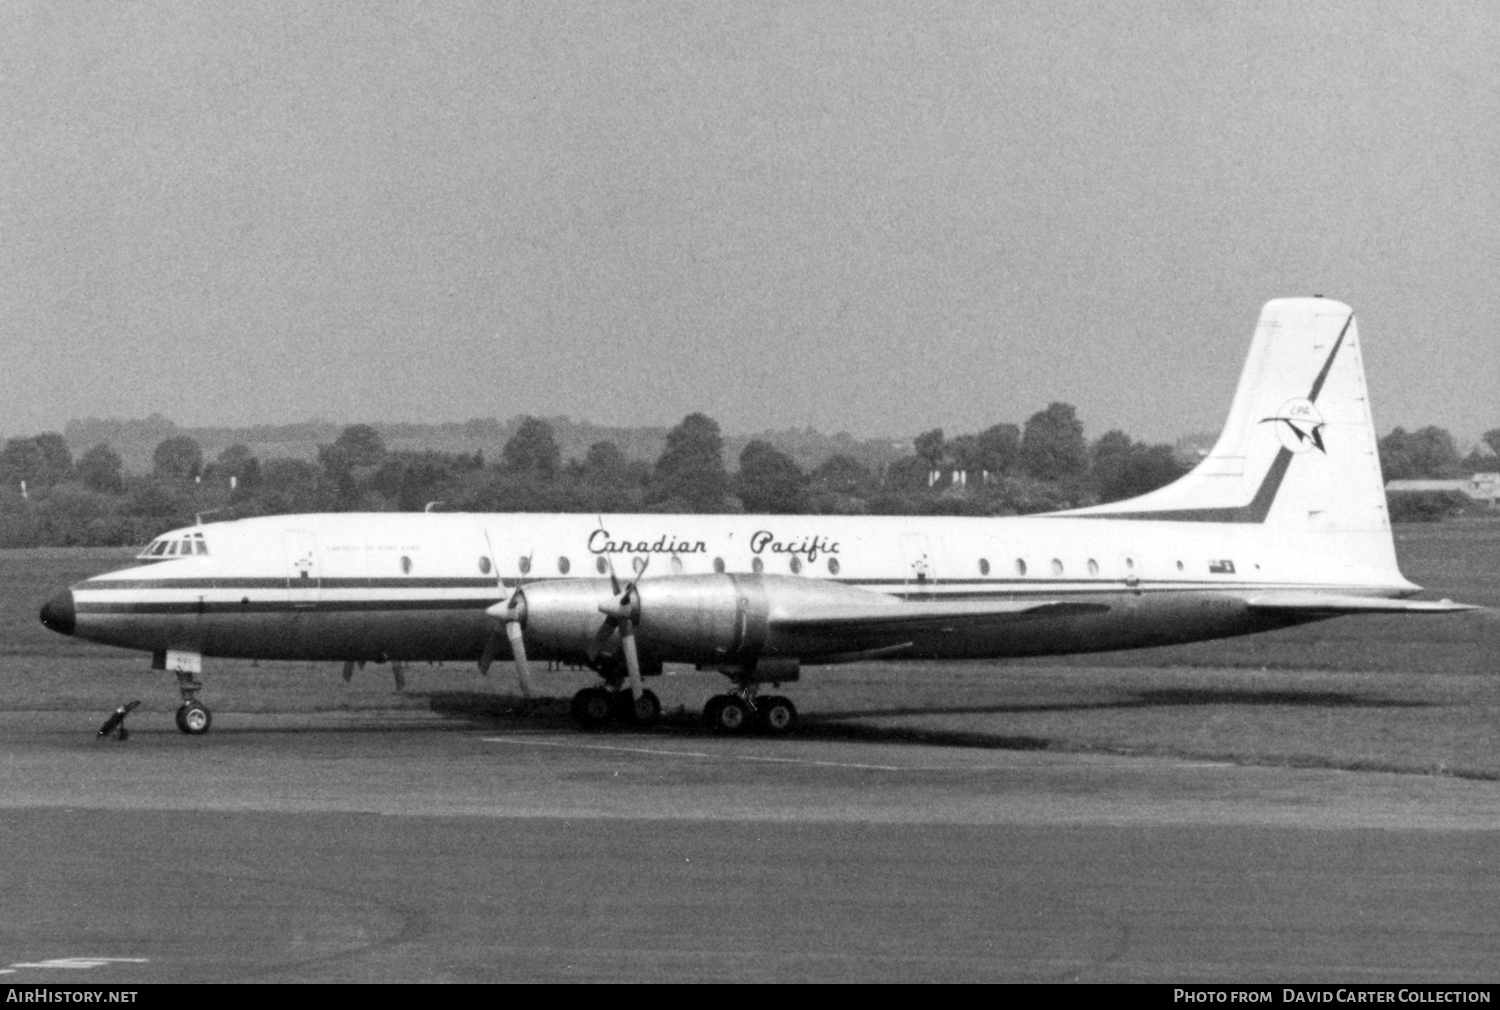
{"x":926,"y":615}
{"x":856,"y":627}
{"x":1336,"y":603}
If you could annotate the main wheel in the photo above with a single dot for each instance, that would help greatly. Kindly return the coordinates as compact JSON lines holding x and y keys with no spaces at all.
{"x":194,"y":718}
{"x":711,"y":710}
{"x":777,"y":714}
{"x":633,"y":712}
{"x":593,"y":707}
{"x":727,"y":714}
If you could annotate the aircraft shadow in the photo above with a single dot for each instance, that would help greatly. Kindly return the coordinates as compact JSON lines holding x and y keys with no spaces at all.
{"x":1161,"y":698}
{"x":508,"y":711}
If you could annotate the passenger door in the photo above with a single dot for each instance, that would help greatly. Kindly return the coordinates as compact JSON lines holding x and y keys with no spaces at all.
{"x":916,"y":552}
{"x":304,"y":582}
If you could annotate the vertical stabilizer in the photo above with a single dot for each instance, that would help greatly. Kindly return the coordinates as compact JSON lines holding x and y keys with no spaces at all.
{"x":1298,"y":450}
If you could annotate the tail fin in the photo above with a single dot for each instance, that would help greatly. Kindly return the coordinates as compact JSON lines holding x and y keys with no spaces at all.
{"x":1298,"y":451}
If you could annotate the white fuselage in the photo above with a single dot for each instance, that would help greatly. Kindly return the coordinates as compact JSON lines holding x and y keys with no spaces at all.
{"x":416,"y":586}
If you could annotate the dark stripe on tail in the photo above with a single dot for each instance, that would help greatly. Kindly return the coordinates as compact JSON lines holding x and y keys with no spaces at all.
{"x":1259,"y":506}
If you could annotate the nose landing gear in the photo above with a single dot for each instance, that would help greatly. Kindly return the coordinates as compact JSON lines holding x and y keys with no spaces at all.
{"x":193,"y":717}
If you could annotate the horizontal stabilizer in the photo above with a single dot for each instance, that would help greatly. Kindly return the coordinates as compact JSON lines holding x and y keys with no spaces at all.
{"x":1334,"y":603}
{"x":926,"y":614}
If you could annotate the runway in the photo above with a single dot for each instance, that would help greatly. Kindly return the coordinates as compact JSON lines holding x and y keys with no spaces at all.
{"x":412,"y":847}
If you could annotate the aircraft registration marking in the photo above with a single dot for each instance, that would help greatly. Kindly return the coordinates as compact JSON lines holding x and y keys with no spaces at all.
{"x":693,"y":754}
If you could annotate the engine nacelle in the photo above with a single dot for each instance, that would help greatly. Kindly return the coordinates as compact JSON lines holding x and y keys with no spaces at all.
{"x":703,"y":618}
{"x":561,"y":619}
{"x":706,"y":619}
{"x":689,"y":618}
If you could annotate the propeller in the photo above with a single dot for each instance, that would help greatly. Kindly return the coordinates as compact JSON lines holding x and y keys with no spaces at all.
{"x":512,"y":616}
{"x":624,"y":610}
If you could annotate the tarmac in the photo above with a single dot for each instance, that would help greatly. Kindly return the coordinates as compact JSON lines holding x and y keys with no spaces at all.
{"x":413,"y":847}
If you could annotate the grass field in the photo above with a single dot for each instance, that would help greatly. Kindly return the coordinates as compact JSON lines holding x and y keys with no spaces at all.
{"x":1410,"y":694}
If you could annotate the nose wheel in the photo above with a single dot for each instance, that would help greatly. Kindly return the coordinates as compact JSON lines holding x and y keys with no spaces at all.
{"x":194,"y":718}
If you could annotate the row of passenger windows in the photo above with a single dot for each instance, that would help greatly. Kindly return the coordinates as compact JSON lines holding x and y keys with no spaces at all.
{"x":193,"y":544}
{"x":794,"y":563}
{"x":638,"y":565}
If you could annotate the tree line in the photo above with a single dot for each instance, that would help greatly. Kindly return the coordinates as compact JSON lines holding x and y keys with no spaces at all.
{"x":47,"y":497}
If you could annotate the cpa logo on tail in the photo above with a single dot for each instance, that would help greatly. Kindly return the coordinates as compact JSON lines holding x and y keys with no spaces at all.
{"x":1298,"y":425}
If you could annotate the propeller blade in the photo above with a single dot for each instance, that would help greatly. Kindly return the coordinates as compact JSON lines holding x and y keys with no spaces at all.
{"x":518,"y":650}
{"x":492,"y":644}
{"x":632,"y":658}
{"x":601,"y":637}
{"x":621,"y":612}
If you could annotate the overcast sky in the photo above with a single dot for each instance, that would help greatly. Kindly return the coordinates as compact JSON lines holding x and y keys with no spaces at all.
{"x":876,"y":218}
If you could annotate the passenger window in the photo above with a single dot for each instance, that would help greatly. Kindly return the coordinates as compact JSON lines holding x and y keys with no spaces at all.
{"x":600,"y":565}
{"x":796,"y":564}
{"x":525,"y":564}
{"x":638,"y":564}
{"x":757,"y":566}
{"x":719,"y":565}
{"x":1057,"y":566}
{"x":984,"y":566}
{"x":833,"y":566}
{"x":1093,"y":567}
{"x":676,"y":565}
{"x":563,"y":564}
{"x":484,"y":566}
{"x":1020,"y":567}
{"x":405,"y":565}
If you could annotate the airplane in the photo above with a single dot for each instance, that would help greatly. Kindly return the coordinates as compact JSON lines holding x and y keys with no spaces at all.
{"x":1283,"y":523}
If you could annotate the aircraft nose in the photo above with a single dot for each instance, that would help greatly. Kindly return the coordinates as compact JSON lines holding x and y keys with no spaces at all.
{"x":59,"y":613}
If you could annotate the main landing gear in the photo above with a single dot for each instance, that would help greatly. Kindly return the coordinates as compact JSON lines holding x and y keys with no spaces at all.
{"x":596,"y":707}
{"x":743,"y":712}
{"x":193,"y":717}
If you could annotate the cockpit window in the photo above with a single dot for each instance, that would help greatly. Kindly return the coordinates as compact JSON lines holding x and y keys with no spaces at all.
{"x":174,"y":547}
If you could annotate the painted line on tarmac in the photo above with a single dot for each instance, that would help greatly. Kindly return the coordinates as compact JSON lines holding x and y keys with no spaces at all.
{"x":693,"y":754}
{"x":75,"y":962}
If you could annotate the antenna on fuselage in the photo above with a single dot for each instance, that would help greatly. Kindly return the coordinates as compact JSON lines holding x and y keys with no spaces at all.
{"x":198,"y":516}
